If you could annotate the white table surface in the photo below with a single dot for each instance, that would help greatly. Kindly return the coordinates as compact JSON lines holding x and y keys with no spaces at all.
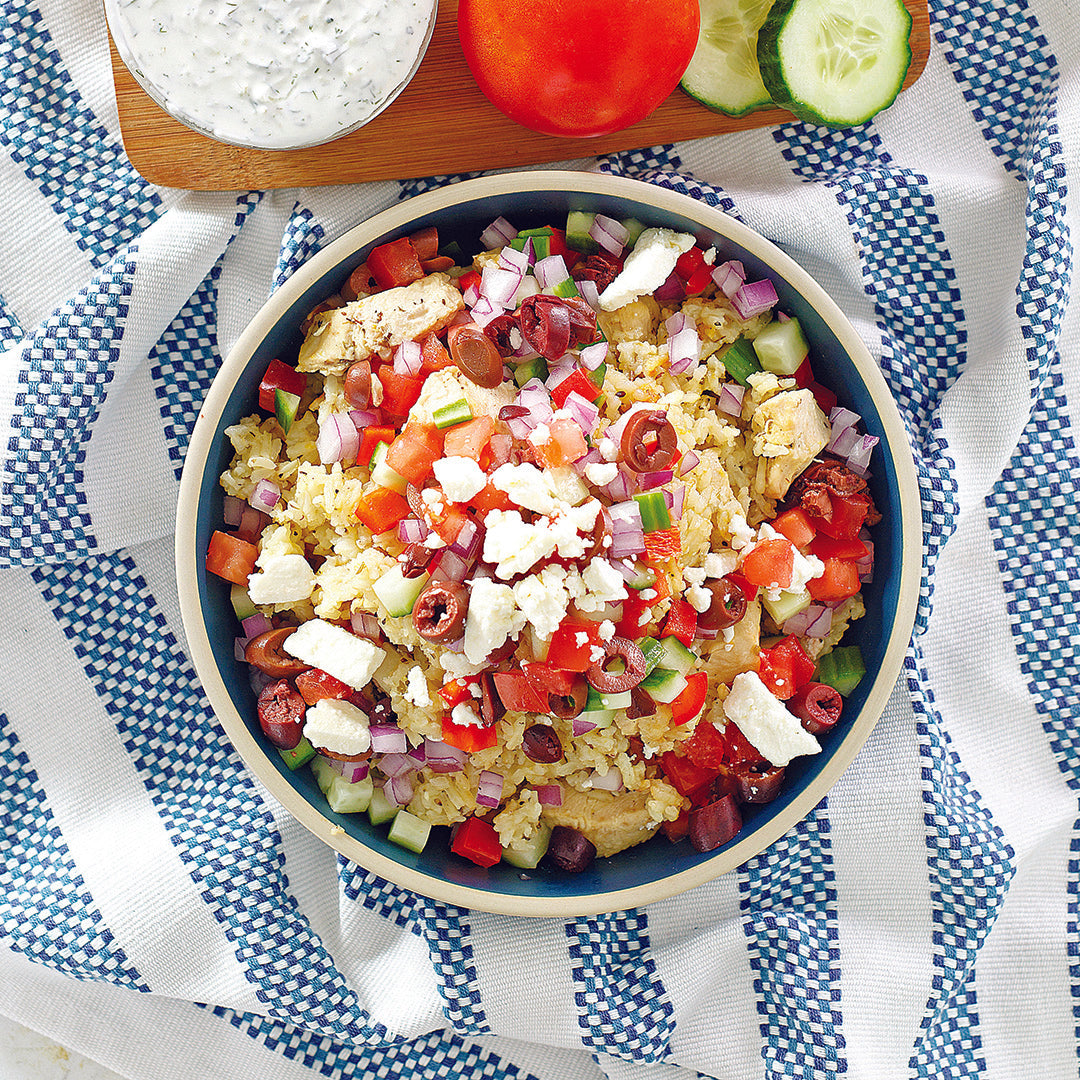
{"x":26,"y":1055}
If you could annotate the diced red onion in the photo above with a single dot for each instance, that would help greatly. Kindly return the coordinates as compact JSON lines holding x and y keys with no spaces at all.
{"x":592,"y":356}
{"x":858,"y":458}
{"x":684,"y":349}
{"x":512,"y":259}
{"x":821,"y":624}
{"x":579,"y":726}
{"x":621,"y":488}
{"x":256,"y":624}
{"x":363,"y":418}
{"x":559,"y":370}
{"x":265,"y":496}
{"x":366,"y":625}
{"x":232,"y":510}
{"x":591,"y":457}
{"x":498,"y":234}
{"x":397,"y":764}
{"x":468,"y":540}
{"x":690,"y":460}
{"x":676,"y":323}
{"x":258,"y":680}
{"x":351,"y":771}
{"x":489,"y":788}
{"x":485,"y":311}
{"x":418,"y":754}
{"x":252,"y":523}
{"x":412,"y":530}
{"x":678,"y":499}
{"x":499,"y":285}
{"x":549,"y":794}
{"x":387,"y":739}
{"x":585,"y":413}
{"x":626,"y":543}
{"x":798,"y":622}
{"x":729,"y":277}
{"x":783,"y":316}
{"x":843,"y":442}
{"x":338,"y":439}
{"x":610,"y":234}
{"x":865,"y":564}
{"x":754,"y":297}
{"x":240,"y":645}
{"x":449,"y":566}
{"x":672,"y":290}
{"x":610,"y":781}
{"x":408,"y":358}
{"x":647,"y":481}
{"x":550,"y":271}
{"x":399,"y":789}
{"x":731,"y":399}
{"x":441,"y":757}
{"x":624,"y":513}
{"x":589,"y":293}
{"x":471,"y":294}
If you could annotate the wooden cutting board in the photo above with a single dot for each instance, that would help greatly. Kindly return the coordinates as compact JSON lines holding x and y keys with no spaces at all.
{"x":440,"y":124}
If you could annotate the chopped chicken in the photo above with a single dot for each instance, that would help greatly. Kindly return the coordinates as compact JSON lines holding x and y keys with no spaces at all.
{"x":613,"y":822}
{"x":789,"y":432}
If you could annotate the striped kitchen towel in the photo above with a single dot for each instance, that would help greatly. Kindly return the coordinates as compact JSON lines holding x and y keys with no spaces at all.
{"x":161,"y":912}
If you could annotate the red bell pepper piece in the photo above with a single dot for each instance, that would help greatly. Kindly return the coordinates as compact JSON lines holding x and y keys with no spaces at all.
{"x":395,"y":263}
{"x":231,"y":558}
{"x":548,"y":678}
{"x":572,"y":644}
{"x":634,"y":622}
{"x":468,"y":280}
{"x":477,"y":840}
{"x":380,"y":509}
{"x":692,"y":700}
{"x":680,"y":622}
{"x":457,"y":690}
{"x":280,"y":376}
{"x":689,"y":261}
{"x":663,"y":544}
{"x":785,"y":667}
{"x":576,"y":382}
{"x":825,"y":547}
{"x":749,"y":589}
{"x":468,"y":738}
{"x":370,"y":438}
{"x":518,"y":693}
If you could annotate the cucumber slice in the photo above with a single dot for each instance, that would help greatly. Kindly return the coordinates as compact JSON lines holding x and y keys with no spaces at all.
{"x":397,"y":593}
{"x":285,"y":407}
{"x":781,"y":347}
{"x":617,"y":701}
{"x":383,"y":475}
{"x":299,"y":755}
{"x":842,"y":669}
{"x":346,"y":798}
{"x":634,"y":229}
{"x":787,"y":604}
{"x":528,"y":857}
{"x":324,"y":772}
{"x":534,"y":368}
{"x":578,"y":223}
{"x":723,"y":72}
{"x":381,"y":809}
{"x":242,"y":604}
{"x":664,"y":686}
{"x":565,"y":288}
{"x":676,"y":656}
{"x":653,"y":652}
{"x":409,"y":831}
{"x":835,"y":62}
{"x":740,"y":360}
{"x":599,"y":718}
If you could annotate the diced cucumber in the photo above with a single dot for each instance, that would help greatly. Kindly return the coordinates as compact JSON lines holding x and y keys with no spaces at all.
{"x":409,"y":831}
{"x":578,"y":223}
{"x":346,"y":798}
{"x":541,"y":241}
{"x":653,"y":652}
{"x":299,"y":755}
{"x":617,"y":701}
{"x":397,"y":593}
{"x":786,"y":604}
{"x":593,"y":702}
{"x":566,"y":287}
{"x":534,"y":368}
{"x":842,"y":668}
{"x":285,"y":407}
{"x":528,"y":857}
{"x":383,"y":475}
{"x":324,"y":772}
{"x":457,"y":412}
{"x":598,"y":374}
{"x":242,"y":604}
{"x":723,"y":72}
{"x":634,"y":229}
{"x":381,"y":810}
{"x":599,"y":718}
{"x":645,"y":578}
{"x":781,"y":347}
{"x":655,"y":516}
{"x":835,"y":62}
{"x":676,"y":656}
{"x":664,"y":686}
{"x":740,"y":360}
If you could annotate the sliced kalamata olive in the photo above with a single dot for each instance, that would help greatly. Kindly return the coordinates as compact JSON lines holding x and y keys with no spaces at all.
{"x":648,"y":441}
{"x":758,"y":782}
{"x":541,"y":743}
{"x":491,"y":708}
{"x":333,"y":755}
{"x":415,"y":499}
{"x":381,"y":710}
{"x":600,"y":532}
{"x":475,"y":354}
{"x":641,"y":704}
{"x":545,"y":325}
{"x":415,"y":559}
{"x":714,"y":824}
{"x":281,"y":714}
{"x":425,"y":242}
{"x":513,"y":412}
{"x":439,"y":612}
{"x":616,"y":682}
{"x":582,"y":320}
{"x":817,"y":705}
{"x":567,"y":706}
{"x":503,"y":330}
{"x":266,"y":653}
{"x":569,"y":850}
{"x":601,"y":268}
{"x":331,"y":303}
{"x":727,"y":607}
{"x":357,"y":385}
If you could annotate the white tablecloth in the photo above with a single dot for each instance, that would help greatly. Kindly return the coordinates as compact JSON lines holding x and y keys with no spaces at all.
{"x":162,"y":914}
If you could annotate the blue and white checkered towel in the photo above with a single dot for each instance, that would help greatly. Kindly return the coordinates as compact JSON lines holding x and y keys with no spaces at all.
{"x":161,"y":913}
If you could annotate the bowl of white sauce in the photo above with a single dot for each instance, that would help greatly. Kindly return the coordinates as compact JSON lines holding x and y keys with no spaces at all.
{"x":272,"y":74}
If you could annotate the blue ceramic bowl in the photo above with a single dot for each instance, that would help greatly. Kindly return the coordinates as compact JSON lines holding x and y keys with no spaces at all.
{"x":656,"y":869}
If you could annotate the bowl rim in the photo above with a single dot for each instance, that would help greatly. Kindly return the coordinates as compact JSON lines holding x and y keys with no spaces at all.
{"x":397,"y":216}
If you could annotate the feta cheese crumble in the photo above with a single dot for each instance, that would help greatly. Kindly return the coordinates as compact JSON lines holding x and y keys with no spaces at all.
{"x":282,"y":579}
{"x":772,"y":729}
{"x":460,"y":478}
{"x":337,"y":726}
{"x":320,"y":644}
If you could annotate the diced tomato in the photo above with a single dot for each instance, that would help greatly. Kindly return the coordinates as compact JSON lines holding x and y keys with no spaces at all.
{"x":689,"y":261}
{"x":676,"y":830}
{"x":571,"y":644}
{"x":518,"y":693}
{"x":557,"y":246}
{"x":804,"y":374}
{"x":280,"y":376}
{"x":737,"y":747}
{"x":692,"y":700}
{"x":413,"y":453}
{"x":770,"y":564}
{"x":685,"y":777}
{"x":825,"y":547}
{"x":477,"y":840}
{"x":706,"y":747}
{"x":468,"y":439}
{"x":380,"y":509}
{"x":660,"y":585}
{"x":433,"y":354}
{"x":491,"y":498}
{"x":457,"y":690}
{"x":699,"y":281}
{"x":400,"y":392}
{"x":663,"y":544}
{"x":796,"y":525}
{"x":315,"y":685}
{"x":577,"y":382}
{"x":370,"y":437}
{"x":231,"y":558}
{"x":680,"y":622}
{"x":447,"y":521}
{"x":848,"y":516}
{"x":748,"y":587}
{"x":785,"y":668}
{"x":565,"y":443}
{"x":547,"y":678}
{"x":468,"y":738}
{"x":395,"y":263}
{"x":839,"y":580}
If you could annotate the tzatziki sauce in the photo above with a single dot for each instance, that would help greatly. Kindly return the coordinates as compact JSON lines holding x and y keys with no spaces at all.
{"x":272,"y":74}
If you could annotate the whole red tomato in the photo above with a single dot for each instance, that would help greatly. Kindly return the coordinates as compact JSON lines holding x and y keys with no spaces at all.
{"x":578,"y":68}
